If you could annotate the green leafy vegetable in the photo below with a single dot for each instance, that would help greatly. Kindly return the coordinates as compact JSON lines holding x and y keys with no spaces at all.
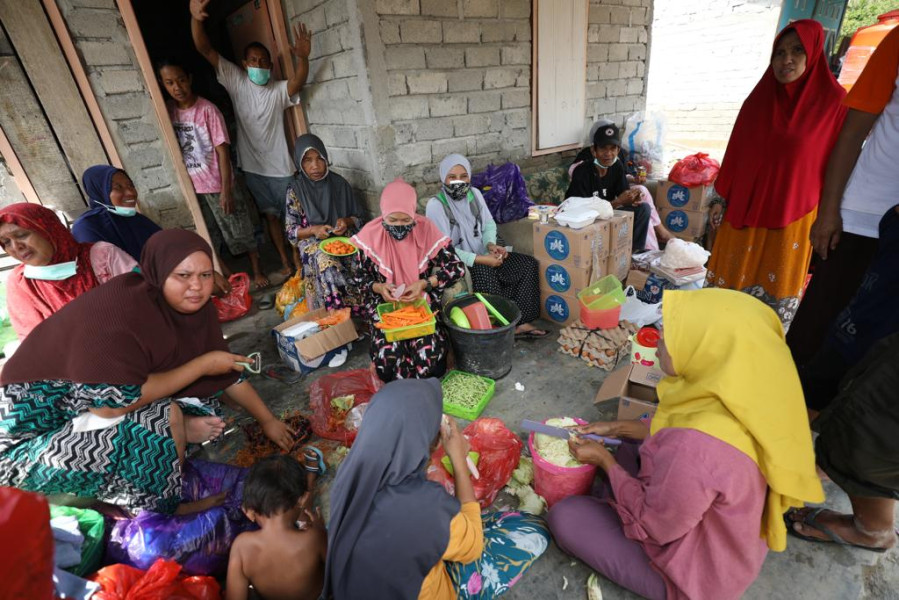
{"x":343,"y":403}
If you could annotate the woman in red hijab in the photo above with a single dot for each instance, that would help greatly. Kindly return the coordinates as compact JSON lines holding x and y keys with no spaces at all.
{"x":55,"y":268}
{"x":773,"y":171}
{"x":404,"y":251}
{"x":89,"y":403}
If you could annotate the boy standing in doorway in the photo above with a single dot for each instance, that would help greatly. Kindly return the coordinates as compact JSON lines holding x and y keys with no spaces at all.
{"x":259,"y":105}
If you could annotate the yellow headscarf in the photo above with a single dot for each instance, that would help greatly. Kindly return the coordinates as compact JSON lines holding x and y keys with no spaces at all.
{"x":736,"y":381}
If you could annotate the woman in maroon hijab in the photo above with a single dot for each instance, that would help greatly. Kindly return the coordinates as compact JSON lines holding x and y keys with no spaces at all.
{"x":88,"y":402}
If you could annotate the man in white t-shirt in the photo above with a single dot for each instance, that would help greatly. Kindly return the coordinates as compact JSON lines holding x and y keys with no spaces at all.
{"x":259,"y":105}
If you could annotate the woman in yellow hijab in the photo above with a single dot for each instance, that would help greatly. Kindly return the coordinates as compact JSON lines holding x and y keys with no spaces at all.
{"x":728,"y":452}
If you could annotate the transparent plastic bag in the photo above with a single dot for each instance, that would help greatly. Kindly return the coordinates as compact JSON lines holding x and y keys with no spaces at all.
{"x":330,"y":422}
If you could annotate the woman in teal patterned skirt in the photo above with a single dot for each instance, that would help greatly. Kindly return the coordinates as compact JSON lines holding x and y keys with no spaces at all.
{"x":89,"y":404}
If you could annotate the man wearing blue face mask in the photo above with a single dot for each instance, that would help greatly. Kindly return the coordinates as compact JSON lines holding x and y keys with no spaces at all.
{"x":259,"y":104}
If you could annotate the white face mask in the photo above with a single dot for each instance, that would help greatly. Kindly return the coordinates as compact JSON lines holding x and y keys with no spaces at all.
{"x":55,"y":272}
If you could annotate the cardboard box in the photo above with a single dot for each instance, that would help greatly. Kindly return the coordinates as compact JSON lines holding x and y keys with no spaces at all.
{"x":622,"y":231}
{"x":676,"y":196}
{"x":558,"y":278}
{"x":635,"y":388}
{"x":685,"y":224}
{"x":561,"y":309}
{"x":637,"y":279}
{"x":310,"y":348}
{"x":580,"y":248}
{"x":619,"y":264}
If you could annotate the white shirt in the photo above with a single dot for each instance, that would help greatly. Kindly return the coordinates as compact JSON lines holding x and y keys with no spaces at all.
{"x":873,"y":187}
{"x":261,"y":141}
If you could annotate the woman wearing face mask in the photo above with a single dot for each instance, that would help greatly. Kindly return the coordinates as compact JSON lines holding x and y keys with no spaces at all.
{"x":89,"y":401}
{"x":320,"y":204}
{"x":55,"y":269}
{"x":113,"y":216}
{"x":404,"y":256}
{"x":773,"y":172}
{"x":459,"y":211}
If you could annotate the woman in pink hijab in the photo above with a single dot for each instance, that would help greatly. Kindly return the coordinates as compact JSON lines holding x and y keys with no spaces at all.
{"x":401,"y":250}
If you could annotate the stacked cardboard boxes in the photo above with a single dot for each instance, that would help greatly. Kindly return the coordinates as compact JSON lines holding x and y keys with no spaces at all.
{"x":684,"y":211}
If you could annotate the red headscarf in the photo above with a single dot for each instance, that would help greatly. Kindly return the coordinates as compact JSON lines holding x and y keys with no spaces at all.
{"x":774,"y":166}
{"x":400,"y":261}
{"x":124,"y":330}
{"x":31,"y":301}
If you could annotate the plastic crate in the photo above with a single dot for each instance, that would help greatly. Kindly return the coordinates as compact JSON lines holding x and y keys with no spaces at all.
{"x":410,"y":331}
{"x":605,"y":293}
{"x":467,"y":413}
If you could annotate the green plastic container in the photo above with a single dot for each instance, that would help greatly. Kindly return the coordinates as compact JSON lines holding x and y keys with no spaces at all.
{"x":412,"y":331}
{"x":602,"y":295}
{"x":461,"y":411}
{"x":91,"y":525}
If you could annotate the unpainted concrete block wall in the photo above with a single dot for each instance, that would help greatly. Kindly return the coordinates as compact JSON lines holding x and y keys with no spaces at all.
{"x":102,"y":42}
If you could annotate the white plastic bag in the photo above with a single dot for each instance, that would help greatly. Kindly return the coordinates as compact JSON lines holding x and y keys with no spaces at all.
{"x":573,"y":204}
{"x":638,"y":312}
{"x":683,"y":255}
{"x":643,"y":140}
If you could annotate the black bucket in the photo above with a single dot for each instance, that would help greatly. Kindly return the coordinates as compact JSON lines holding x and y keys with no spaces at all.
{"x":486,"y":352}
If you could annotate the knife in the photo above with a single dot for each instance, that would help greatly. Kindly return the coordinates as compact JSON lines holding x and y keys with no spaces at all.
{"x":561,"y":432}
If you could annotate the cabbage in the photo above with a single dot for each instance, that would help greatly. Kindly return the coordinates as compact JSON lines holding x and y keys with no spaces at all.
{"x":524,"y":474}
{"x":555,"y":450}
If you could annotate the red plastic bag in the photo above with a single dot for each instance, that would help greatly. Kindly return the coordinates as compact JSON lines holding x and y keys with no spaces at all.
{"x":500,"y":451}
{"x":695,"y":170}
{"x":159,"y":582}
{"x":237,"y":303}
{"x":26,"y":554}
{"x":328,"y":422}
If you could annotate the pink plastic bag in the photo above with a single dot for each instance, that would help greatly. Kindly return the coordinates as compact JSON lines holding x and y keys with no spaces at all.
{"x":328,"y":422}
{"x":695,"y":170}
{"x":237,"y":303}
{"x":500,"y":451}
{"x":554,"y":482}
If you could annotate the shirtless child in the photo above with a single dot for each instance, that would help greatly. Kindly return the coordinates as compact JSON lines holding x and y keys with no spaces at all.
{"x":281,"y":560}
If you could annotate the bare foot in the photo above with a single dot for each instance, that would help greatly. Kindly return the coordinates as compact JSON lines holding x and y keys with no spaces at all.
{"x":202,"y":429}
{"x":260,"y":282}
{"x":844,"y":526}
{"x":530,"y":331}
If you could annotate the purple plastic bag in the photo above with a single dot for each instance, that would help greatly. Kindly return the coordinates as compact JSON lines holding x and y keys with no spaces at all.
{"x":199,"y":542}
{"x":504,"y":192}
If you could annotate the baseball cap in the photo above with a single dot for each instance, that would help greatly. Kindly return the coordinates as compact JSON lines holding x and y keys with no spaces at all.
{"x":606,"y":134}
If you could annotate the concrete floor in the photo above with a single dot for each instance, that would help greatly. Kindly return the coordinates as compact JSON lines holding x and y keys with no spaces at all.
{"x":556,"y":385}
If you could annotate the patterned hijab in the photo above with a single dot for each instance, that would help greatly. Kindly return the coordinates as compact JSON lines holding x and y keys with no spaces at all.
{"x":328,"y":199}
{"x":123,"y":331}
{"x":40,"y":298}
{"x":389,"y":525}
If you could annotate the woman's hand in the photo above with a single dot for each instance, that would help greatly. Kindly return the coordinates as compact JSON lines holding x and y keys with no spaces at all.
{"x":633,"y":429}
{"x":279,"y":433}
{"x":489,"y":260}
{"x":221,"y":287}
{"x":716,"y":215}
{"x":219,"y":362}
{"x":825,"y":233}
{"x":497,"y":251}
{"x":385,"y":290}
{"x":343,"y":224}
{"x":321,"y":231}
{"x":414,"y":291}
{"x":454,"y":443}
{"x":589,"y":452}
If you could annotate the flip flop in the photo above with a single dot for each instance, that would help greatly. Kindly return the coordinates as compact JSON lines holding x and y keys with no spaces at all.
{"x":533,"y":334}
{"x":811,"y":519}
{"x":322,"y":467}
{"x":267,"y":302}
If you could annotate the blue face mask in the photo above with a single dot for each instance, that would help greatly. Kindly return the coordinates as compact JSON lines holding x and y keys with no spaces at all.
{"x":599,"y":164}
{"x":56,"y":272}
{"x":122,"y":211}
{"x":259,"y":76}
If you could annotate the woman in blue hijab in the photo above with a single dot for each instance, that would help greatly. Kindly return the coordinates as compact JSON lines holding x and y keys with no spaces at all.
{"x":113,"y":216}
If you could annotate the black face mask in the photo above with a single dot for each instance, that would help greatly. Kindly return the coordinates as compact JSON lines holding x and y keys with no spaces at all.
{"x":398,"y":232}
{"x":457,"y":190}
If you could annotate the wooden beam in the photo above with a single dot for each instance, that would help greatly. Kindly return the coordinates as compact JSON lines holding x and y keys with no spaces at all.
{"x":84,"y":85}
{"x":15,"y":167}
{"x":32,"y":141}
{"x":162,"y":116}
{"x":35,"y":43}
{"x":297,"y":119}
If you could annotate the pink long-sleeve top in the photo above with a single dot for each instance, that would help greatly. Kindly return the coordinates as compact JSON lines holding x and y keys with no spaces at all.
{"x":696,"y":507}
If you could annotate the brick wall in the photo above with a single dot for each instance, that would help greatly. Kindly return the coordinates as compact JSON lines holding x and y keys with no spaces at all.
{"x":707,"y":55}
{"x":102,"y":42}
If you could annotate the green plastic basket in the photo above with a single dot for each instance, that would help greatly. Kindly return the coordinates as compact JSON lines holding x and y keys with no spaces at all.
{"x":602,"y":295}
{"x":464,"y":412}
{"x":411,"y":331}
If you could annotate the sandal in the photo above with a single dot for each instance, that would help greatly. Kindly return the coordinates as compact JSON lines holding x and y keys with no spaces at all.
{"x":811,"y":520}
{"x":267,"y":302}
{"x":314,"y":455}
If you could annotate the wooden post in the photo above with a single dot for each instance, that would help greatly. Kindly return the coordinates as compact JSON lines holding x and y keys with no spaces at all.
{"x":297,"y":119}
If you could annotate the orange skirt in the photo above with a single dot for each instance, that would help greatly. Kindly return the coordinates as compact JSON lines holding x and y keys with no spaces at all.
{"x":770,"y":264}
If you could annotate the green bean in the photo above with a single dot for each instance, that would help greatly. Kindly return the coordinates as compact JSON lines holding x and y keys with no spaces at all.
{"x":464,"y":390}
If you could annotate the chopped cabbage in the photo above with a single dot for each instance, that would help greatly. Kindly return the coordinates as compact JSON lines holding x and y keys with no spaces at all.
{"x":524,"y":474}
{"x":555,"y":450}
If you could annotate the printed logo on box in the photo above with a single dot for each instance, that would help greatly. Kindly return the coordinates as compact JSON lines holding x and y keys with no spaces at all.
{"x":678,"y":196}
{"x":677,"y":221}
{"x":557,"y":308}
{"x":558,"y":278}
{"x":557,"y":245}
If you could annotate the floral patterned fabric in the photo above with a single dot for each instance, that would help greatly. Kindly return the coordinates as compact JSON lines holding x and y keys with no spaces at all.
{"x":512,"y":542}
{"x":548,"y":187}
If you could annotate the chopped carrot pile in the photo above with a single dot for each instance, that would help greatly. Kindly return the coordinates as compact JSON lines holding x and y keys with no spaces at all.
{"x":404,"y":317}
{"x":334,"y":318}
{"x":339,"y":247}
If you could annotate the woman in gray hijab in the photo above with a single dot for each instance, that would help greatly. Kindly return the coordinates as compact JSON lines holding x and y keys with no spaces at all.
{"x":320,"y":204}
{"x":462,"y":215}
{"x":394,"y":534}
